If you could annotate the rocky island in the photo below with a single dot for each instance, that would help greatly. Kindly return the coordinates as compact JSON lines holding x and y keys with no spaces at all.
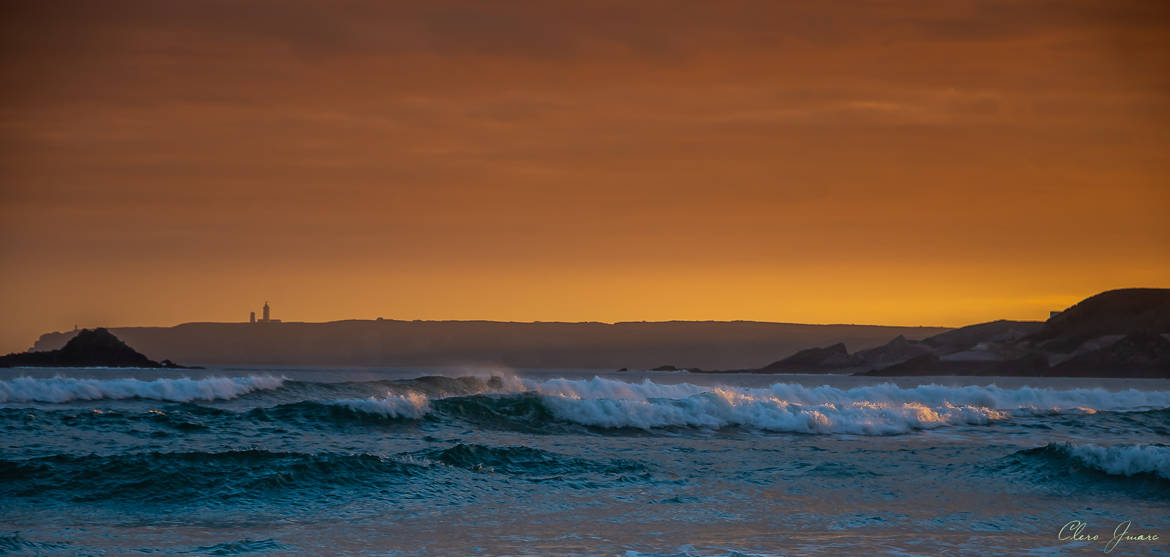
{"x":89,"y":348}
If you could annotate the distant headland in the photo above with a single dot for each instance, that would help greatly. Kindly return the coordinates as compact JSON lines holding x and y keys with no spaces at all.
{"x":1119,"y":333}
{"x":552,"y":345}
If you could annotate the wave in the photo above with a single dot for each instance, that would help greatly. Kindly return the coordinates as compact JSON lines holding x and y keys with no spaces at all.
{"x":438,"y":386}
{"x":784,"y":407}
{"x":524,"y":412}
{"x":717,"y":410}
{"x":15,"y":543}
{"x":253,"y":474}
{"x":991,"y":396}
{"x":66,"y":389}
{"x":409,"y":405}
{"x":431,"y":386}
{"x":868,"y":410}
{"x":690,"y":551}
{"x":391,"y":407}
{"x":544,"y":405}
{"x":239,"y":547}
{"x":1116,"y":460}
{"x":162,"y":477}
{"x":527,"y":461}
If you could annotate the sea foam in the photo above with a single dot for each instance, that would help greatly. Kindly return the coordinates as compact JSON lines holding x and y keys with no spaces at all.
{"x":411,"y":405}
{"x":881,"y":409}
{"x":64,"y":389}
{"x":867,"y":410}
{"x":1121,"y":460}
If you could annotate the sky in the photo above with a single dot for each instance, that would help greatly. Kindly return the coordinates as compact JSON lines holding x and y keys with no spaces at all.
{"x":932,"y":162}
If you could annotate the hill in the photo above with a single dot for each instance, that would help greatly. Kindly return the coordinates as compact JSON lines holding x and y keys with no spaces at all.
{"x":1118,"y":333}
{"x":1122,"y":312}
{"x":970,"y":343}
{"x":89,"y":348}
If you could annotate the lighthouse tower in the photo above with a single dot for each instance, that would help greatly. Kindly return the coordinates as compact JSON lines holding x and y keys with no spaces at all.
{"x":265,"y":315}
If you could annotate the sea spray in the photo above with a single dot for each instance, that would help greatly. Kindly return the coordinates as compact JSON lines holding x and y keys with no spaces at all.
{"x":408,"y":405}
{"x":869,"y":410}
{"x":65,"y":389}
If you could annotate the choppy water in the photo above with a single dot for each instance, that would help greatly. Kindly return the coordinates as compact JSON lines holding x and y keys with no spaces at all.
{"x":236,"y":461}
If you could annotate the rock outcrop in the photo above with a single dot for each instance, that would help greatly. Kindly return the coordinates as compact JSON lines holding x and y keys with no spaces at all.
{"x":829,"y":358}
{"x":90,"y":348}
{"x":1140,"y":354}
{"x":1120,"y":333}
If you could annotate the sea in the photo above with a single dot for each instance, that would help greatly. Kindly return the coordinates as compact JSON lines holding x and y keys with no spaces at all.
{"x":489,"y":461}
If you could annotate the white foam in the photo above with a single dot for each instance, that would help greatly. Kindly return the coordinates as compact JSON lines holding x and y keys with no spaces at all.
{"x":875,"y":409}
{"x":64,"y":389}
{"x":1124,"y":460}
{"x":410,"y":405}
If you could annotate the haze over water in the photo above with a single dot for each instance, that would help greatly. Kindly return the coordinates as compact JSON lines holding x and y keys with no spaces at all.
{"x":443,"y":461}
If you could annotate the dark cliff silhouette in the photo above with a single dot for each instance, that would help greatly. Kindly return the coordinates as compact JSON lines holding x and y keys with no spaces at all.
{"x":89,"y":348}
{"x":1136,"y":354}
{"x":901,"y":350}
{"x":836,"y":358}
{"x":815,"y":359}
{"x":1114,"y":312}
{"x":1119,"y":333}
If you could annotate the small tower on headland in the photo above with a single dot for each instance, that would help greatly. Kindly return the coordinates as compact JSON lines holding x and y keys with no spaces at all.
{"x":265,"y":315}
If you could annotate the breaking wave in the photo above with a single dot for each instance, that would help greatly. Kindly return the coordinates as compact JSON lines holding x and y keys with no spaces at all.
{"x":391,"y":407}
{"x":1117,"y":460}
{"x":66,"y":389}
{"x":1025,"y":398}
{"x":539,"y":406}
{"x":783,"y":407}
{"x":409,"y":405}
{"x":869,"y":410}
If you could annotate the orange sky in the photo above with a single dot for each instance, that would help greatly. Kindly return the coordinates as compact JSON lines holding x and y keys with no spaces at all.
{"x":925,"y":162}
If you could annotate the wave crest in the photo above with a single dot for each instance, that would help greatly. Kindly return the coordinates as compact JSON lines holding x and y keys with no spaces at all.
{"x":1116,"y":460}
{"x":723,"y":409}
{"x":159,"y":477}
{"x":538,"y":405}
{"x":65,"y":389}
{"x":868,"y":410}
{"x":410,"y":405}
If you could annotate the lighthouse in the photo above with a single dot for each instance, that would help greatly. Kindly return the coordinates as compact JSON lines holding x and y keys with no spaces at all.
{"x":265,"y":315}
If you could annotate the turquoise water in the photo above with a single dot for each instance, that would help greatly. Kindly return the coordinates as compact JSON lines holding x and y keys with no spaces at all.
{"x":487,"y":462}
